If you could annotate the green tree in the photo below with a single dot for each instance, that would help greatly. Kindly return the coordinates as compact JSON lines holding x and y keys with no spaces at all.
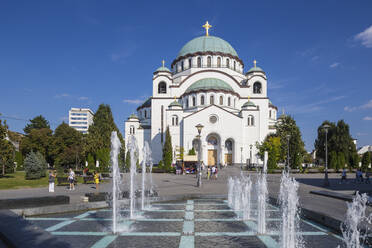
{"x":366,"y":160}
{"x":7,"y":151}
{"x":38,"y":140}
{"x":287,"y":126}
{"x":272,"y":145}
{"x":333,"y":161}
{"x":67,"y":148}
{"x":103,"y":156}
{"x":99,"y":135}
{"x":19,"y":160}
{"x":39,"y":122}
{"x":167,"y":150}
{"x":127,"y":161}
{"x":91,"y":162}
{"x":35,"y":165}
{"x":338,"y":140}
{"x":340,"y":161}
{"x":192,"y":151}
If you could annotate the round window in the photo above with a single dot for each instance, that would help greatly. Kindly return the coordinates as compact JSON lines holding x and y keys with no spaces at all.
{"x":213,"y":119}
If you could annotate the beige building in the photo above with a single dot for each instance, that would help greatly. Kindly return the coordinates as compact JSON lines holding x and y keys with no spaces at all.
{"x":80,"y":119}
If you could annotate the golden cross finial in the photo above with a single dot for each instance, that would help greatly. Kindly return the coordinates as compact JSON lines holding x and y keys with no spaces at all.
{"x":207,"y":27}
{"x":175,"y":98}
{"x":249,"y":97}
{"x":163,"y":62}
{"x":254,"y":63}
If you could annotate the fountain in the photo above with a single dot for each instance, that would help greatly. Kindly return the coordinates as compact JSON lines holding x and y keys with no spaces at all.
{"x":355,"y":217}
{"x":146,"y":160}
{"x":289,"y":204}
{"x":262,"y":198}
{"x":246,"y":198}
{"x":116,"y":180}
{"x":133,"y":150}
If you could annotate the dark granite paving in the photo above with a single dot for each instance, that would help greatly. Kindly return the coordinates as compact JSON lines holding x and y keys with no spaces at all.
{"x":183,"y":224}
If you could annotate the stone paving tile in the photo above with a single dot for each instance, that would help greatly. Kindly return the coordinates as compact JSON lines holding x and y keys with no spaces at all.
{"x":152,"y":226}
{"x":228,"y":242}
{"x":221,"y":226}
{"x":80,"y":241}
{"x":150,"y":241}
{"x":214,"y":215}
{"x":44,"y":223}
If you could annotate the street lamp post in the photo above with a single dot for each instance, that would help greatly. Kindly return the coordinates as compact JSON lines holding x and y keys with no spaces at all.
{"x":326,"y":181}
{"x":288,"y":137}
{"x":241,"y":158}
{"x":199,"y":127}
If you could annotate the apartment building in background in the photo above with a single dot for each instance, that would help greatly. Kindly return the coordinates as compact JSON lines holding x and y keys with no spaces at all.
{"x":80,"y":119}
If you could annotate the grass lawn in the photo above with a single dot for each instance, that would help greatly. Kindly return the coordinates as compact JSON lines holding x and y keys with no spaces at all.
{"x":18,"y":181}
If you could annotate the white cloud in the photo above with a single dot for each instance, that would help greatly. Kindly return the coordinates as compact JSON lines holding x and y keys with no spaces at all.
{"x":335,"y":64}
{"x":367,"y":118}
{"x":133,"y":101}
{"x":315,"y":58}
{"x":362,"y":134}
{"x":368,"y":105}
{"x":365,"y":37}
{"x":62,"y":95}
{"x":312,"y":107}
{"x":83,"y":98}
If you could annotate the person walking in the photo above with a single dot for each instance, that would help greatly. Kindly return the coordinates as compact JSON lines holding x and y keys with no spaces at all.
{"x":52,"y":177}
{"x":367,"y":177}
{"x":343,"y":176}
{"x":96,"y":180}
{"x":214,"y":172}
{"x":71,"y":179}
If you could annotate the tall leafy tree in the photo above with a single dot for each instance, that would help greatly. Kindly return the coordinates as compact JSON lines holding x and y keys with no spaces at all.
{"x":38,"y":140}
{"x":67,"y":148}
{"x":333,"y":160}
{"x":99,"y":136}
{"x":338,"y":140}
{"x":39,"y":122}
{"x":167,"y":150}
{"x":272,"y":145}
{"x":287,"y":126}
{"x":366,"y":160}
{"x":7,"y":151}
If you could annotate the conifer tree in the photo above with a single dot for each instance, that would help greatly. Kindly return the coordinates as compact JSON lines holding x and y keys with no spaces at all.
{"x":167,"y":150}
{"x":366,"y":160}
{"x":35,"y":165}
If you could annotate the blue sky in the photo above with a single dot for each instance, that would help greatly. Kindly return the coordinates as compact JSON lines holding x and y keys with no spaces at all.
{"x":60,"y":54}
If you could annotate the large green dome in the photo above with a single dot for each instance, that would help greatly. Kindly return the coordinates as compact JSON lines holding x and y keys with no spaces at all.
{"x":209,"y":84}
{"x":207,"y":44}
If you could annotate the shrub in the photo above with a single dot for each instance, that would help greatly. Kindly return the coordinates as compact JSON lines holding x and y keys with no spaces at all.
{"x":35,"y":165}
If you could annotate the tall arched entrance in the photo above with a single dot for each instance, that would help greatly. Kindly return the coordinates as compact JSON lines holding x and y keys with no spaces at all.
{"x":229,"y":151}
{"x":213,"y":143}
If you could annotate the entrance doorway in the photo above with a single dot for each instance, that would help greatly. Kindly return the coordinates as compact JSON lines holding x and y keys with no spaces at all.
{"x":212,"y":157}
{"x":228,"y":159}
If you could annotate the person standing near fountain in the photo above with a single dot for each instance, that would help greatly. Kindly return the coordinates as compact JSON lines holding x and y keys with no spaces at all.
{"x":52,"y":177}
{"x":71,"y":179}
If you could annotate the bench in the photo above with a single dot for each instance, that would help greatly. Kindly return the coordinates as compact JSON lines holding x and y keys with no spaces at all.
{"x":64,"y":180}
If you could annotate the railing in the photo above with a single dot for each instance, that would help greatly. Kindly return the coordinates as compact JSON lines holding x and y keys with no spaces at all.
{"x":207,"y":66}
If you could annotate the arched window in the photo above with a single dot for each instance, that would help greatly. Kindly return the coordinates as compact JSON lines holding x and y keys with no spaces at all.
{"x":229,"y":145}
{"x":209,"y":62}
{"x":211,"y":101}
{"x":257,"y":88}
{"x":270,"y":114}
{"x":193,"y":101}
{"x":227,"y":63}
{"x":234,"y":65}
{"x":162,"y":88}
{"x":229,"y":101}
{"x":202,"y":100}
{"x":199,"y":62}
{"x":187,"y":103}
{"x":145,"y":113}
{"x":182,"y":66}
{"x":250,"y":120}
{"x":221,"y":100}
{"x":174,"y":120}
{"x":218,"y":62}
{"x":190,"y":63}
{"x":131,"y":130}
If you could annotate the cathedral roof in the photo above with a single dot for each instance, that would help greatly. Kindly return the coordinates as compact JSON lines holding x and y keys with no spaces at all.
{"x":248,"y":104}
{"x":209,"y":84}
{"x":146,"y":104}
{"x":175,"y":104}
{"x":207,"y":44}
{"x":162,"y":68}
{"x":255,"y":69}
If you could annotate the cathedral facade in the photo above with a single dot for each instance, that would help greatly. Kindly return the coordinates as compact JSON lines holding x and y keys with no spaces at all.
{"x":207,"y":86}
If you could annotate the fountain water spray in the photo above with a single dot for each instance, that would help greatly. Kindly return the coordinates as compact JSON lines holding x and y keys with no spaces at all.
{"x":355,"y":216}
{"x":145,"y":161}
{"x":289,"y":204}
{"x":133,"y":150}
{"x":246,"y":198}
{"x":116,"y":180}
{"x":239,"y":196}
{"x":262,"y":201}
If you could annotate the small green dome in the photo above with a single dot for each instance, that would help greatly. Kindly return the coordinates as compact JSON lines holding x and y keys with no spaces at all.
{"x":162,"y":68}
{"x":248,"y":104}
{"x":175,"y":104}
{"x":209,"y":84}
{"x":207,"y":44}
{"x":255,"y":69}
{"x":133,"y":116}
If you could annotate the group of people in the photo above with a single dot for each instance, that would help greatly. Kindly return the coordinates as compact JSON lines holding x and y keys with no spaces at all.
{"x":212,"y":172}
{"x":71,"y":179}
{"x":358,"y":176}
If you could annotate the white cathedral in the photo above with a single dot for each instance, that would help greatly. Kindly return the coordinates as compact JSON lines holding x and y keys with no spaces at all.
{"x":206,"y":85}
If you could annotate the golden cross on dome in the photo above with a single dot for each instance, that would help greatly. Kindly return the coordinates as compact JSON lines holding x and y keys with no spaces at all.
{"x":163,"y":62}
{"x":249,"y":97}
{"x":254,"y":63}
{"x":175,"y":98}
{"x":207,"y":27}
